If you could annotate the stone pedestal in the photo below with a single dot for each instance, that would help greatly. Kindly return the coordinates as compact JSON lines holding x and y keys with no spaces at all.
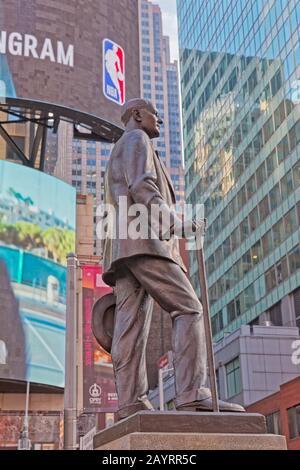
{"x":153,"y":430}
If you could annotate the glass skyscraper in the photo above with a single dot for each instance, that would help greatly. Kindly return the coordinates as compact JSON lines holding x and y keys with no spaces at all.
{"x":240,"y":79}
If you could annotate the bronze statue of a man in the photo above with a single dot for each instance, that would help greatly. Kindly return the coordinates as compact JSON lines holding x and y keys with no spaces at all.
{"x":147,"y":268}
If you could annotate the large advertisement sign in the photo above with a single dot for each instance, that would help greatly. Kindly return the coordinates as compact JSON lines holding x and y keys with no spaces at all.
{"x":99,"y":394}
{"x":37,"y":231}
{"x":71,"y":53}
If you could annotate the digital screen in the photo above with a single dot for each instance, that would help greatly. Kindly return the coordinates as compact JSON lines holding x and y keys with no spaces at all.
{"x":37,"y":231}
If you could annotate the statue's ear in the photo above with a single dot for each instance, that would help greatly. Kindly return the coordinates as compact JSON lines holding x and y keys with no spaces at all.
{"x":136,"y":113}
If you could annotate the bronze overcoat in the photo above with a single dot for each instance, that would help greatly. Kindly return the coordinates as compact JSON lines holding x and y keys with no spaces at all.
{"x":136,"y":173}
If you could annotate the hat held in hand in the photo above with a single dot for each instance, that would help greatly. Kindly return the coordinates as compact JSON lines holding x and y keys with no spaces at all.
{"x":103,"y":316}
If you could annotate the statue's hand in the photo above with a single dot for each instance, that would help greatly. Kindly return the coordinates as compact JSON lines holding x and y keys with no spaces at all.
{"x":194,"y":227}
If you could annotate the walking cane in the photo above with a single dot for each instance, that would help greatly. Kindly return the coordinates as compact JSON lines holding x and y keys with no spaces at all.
{"x":207,"y":323}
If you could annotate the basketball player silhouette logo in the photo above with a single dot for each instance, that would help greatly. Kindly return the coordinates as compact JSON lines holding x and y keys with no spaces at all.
{"x":113,"y":72}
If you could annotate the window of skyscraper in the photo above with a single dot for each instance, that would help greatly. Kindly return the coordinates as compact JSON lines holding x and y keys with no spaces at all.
{"x":233,"y":378}
{"x":294,"y":259}
{"x":275,"y":197}
{"x":271,"y":163}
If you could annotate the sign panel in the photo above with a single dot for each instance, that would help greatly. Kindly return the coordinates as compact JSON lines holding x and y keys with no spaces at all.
{"x":99,"y":394}
{"x":68,"y":53}
{"x":87,"y":441}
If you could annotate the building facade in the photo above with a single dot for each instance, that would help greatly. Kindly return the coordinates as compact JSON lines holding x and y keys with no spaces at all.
{"x":251,"y":364}
{"x":55,"y":54}
{"x":282,"y":411}
{"x":241,"y":122}
{"x":253,"y":361}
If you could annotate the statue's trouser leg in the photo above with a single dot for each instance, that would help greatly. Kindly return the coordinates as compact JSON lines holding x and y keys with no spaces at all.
{"x":132,"y":324}
{"x":170,"y":288}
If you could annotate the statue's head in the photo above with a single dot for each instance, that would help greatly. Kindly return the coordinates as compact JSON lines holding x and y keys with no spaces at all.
{"x":141,"y":114}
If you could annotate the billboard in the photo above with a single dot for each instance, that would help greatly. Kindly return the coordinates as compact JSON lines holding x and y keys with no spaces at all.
{"x":57,"y":53}
{"x":99,"y":394}
{"x":37,"y":231}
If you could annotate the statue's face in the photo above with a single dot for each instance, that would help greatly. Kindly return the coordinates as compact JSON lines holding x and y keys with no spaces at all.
{"x":150,"y":121}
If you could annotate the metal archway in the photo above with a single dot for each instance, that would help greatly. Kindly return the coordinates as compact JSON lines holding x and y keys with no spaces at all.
{"x":44,"y":117}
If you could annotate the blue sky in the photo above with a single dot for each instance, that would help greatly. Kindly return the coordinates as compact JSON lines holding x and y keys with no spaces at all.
{"x":169,"y":15}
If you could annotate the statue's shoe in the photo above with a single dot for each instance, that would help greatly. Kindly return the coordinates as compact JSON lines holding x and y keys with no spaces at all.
{"x":143,"y":404}
{"x":207,"y":405}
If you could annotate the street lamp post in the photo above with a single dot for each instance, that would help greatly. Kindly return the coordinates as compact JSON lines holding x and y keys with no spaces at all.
{"x":24,"y":442}
{"x":70,"y":395}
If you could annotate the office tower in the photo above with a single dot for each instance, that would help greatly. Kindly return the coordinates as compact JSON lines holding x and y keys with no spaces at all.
{"x":240,"y":62}
{"x":159,"y":83}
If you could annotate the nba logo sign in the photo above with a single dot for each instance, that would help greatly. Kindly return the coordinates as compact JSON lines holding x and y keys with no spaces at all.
{"x":113,"y":72}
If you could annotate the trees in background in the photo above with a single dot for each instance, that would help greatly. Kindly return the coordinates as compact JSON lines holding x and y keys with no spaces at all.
{"x":57,"y":242}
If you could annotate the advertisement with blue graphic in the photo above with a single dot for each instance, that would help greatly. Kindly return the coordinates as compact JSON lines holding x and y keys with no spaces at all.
{"x":37,"y":231}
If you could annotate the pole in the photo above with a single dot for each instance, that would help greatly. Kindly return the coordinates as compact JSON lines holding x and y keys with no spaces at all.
{"x":207,"y":324}
{"x":161,"y":389}
{"x":26,"y":427}
{"x":24,"y":443}
{"x":70,"y":395}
